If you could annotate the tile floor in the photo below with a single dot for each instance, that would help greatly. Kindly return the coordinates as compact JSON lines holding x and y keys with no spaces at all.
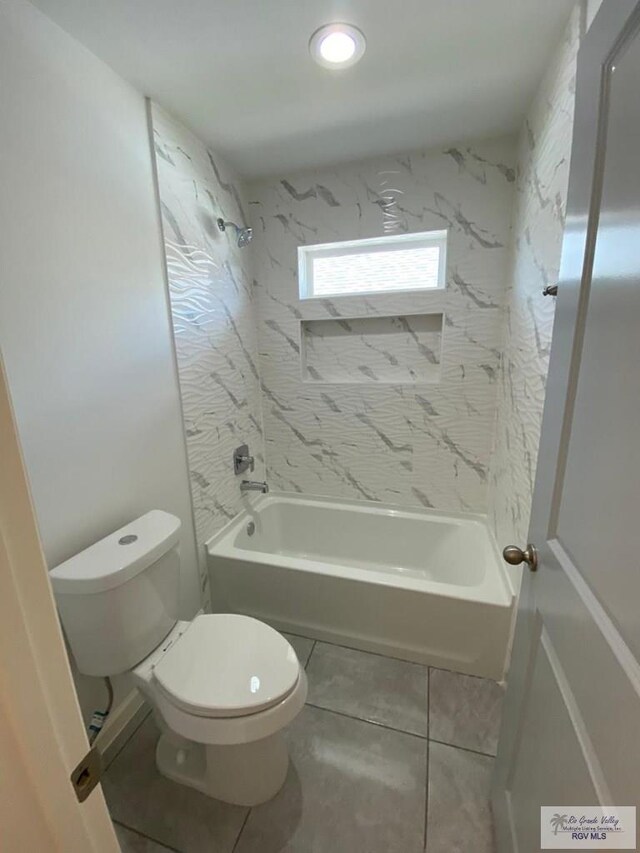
{"x":386,"y":757}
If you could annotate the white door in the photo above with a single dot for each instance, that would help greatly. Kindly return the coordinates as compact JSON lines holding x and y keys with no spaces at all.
{"x":42,"y":737}
{"x":571,"y":730}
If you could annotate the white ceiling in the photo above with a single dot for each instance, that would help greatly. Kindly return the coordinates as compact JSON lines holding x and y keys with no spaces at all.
{"x":239,"y":73}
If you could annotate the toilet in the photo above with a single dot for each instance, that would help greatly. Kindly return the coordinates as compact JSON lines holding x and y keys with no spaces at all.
{"x":222,"y":686}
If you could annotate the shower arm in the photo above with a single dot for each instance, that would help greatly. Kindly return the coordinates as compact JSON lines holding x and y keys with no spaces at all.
{"x":243,"y":235}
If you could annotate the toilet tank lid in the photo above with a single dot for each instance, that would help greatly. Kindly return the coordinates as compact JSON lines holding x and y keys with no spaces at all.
{"x":118,"y":557}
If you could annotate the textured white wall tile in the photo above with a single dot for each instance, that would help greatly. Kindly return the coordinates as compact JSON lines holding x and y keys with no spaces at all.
{"x":544,"y":153}
{"x":400,"y":350}
{"x":408,"y":443}
{"x":212,"y":305}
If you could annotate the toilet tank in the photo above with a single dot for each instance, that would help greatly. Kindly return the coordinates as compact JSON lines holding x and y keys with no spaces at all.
{"x":118,"y":599}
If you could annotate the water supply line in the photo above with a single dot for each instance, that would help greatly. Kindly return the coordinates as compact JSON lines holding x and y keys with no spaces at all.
{"x":99,"y":717}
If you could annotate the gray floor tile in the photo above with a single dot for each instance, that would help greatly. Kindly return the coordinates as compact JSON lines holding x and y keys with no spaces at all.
{"x":302,"y":646}
{"x":464,"y":710}
{"x":459,"y":814}
{"x":172,"y":814}
{"x":131,"y":842}
{"x":371,"y":687}
{"x":352,"y":788}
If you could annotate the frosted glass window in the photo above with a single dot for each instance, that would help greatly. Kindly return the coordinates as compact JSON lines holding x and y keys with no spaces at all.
{"x":380,"y":265}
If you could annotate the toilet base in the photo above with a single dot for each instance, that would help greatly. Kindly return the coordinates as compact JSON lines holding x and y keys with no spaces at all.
{"x":245,"y":774}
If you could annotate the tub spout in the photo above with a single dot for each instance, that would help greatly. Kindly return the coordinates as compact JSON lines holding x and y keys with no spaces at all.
{"x":254,"y":486}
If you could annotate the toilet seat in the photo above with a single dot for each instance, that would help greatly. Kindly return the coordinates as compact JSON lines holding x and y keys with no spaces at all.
{"x":230,"y":730}
{"x":226,"y":665}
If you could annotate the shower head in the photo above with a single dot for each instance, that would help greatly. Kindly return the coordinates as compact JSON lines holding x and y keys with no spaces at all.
{"x":243,"y":235}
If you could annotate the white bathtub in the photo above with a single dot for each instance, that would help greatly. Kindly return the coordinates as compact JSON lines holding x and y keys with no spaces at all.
{"x":415,"y":584}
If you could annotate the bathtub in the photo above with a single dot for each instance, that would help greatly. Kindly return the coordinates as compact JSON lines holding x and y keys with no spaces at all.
{"x":414,"y":584}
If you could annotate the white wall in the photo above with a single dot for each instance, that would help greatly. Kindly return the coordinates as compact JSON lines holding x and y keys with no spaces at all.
{"x":84,"y":324}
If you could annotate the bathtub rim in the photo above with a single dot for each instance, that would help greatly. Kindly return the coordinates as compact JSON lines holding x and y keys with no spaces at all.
{"x":220,"y":545}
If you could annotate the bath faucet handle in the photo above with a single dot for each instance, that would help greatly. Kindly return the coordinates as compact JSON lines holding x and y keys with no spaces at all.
{"x":250,"y":461}
{"x":242,"y":460}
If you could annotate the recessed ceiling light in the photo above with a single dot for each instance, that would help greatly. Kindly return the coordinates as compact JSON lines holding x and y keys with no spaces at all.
{"x":337,"y":45}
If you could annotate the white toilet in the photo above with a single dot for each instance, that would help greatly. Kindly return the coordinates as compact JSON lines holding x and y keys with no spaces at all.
{"x":223,"y":686}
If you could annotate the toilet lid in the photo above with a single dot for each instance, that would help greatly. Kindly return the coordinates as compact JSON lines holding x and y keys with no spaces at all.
{"x":228,"y":666}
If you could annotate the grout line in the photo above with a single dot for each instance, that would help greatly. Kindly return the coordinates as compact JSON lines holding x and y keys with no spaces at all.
{"x":148,"y":837}
{"x":426,"y":799}
{"x":463,"y":748}
{"x":244,"y":823}
{"x":426,"y":792}
{"x":399,"y":731}
{"x":367,"y":722}
{"x":313,"y":648}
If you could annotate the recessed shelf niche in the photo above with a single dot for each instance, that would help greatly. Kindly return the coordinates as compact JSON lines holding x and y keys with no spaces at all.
{"x":395,"y":350}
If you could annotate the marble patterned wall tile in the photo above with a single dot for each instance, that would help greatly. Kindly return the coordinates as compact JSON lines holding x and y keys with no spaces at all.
{"x":402,"y":350}
{"x":214,"y":319}
{"x":544,"y":153}
{"x":410,"y":443}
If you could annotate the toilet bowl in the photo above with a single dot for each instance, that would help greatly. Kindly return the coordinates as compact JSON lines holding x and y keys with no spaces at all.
{"x":222,"y":686}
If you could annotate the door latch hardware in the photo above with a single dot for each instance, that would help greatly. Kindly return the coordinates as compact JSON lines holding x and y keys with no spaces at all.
{"x":550,"y":290}
{"x":87,"y":774}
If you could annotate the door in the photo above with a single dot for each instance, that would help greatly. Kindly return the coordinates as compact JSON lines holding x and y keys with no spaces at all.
{"x":571,"y":729}
{"x":42,"y":737}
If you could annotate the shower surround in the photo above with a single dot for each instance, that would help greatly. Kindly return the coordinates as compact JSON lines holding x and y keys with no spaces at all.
{"x":212,"y":306}
{"x":368,"y":436}
{"x":544,"y":153}
{"x":347,"y":411}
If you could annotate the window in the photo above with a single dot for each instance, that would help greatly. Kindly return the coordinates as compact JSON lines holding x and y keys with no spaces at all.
{"x":391,"y":264}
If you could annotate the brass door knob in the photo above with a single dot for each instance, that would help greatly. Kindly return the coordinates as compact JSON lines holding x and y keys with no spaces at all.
{"x":515,"y":556}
